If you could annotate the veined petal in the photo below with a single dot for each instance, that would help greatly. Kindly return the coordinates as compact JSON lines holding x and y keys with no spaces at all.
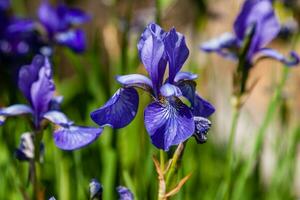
{"x":225,"y":45}
{"x":180,"y":76}
{"x":260,"y":13}
{"x":168,"y":123}
{"x":124,"y":193}
{"x":168,"y":90}
{"x":152,"y":53}
{"x":75,"y":137}
{"x":119,"y":111}
{"x":17,"y":109}
{"x":177,"y":52}
{"x":271,"y":53}
{"x":135,"y":80}
{"x":58,"y":118}
{"x":74,"y":39}
{"x":42,"y":90}
{"x":202,"y":126}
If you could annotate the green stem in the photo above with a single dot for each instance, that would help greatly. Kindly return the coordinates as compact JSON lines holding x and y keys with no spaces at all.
{"x":158,"y":11}
{"x":162,"y":160}
{"x":230,"y":148}
{"x":246,"y":171}
{"x":174,"y":164}
{"x":34,"y":164}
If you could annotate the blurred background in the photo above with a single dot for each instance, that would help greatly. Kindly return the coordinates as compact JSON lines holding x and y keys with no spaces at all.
{"x":124,"y":157}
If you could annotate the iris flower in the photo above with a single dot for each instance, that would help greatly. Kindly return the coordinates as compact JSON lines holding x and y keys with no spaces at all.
{"x":258,"y":21}
{"x":168,"y":120}
{"x":37,"y":86}
{"x":60,"y":24}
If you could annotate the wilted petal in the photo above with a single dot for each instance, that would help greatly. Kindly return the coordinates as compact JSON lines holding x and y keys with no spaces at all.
{"x":124,"y":193}
{"x":135,"y":80}
{"x":271,"y":53}
{"x":168,"y":123}
{"x":25,"y":151}
{"x":226,"y":45}
{"x":17,"y":109}
{"x":261,"y":14}
{"x":152,"y":53}
{"x":42,"y":90}
{"x":202,"y":126}
{"x":55,"y":103}
{"x":74,"y":39}
{"x":96,"y":190}
{"x":119,"y":111}
{"x":180,"y":76}
{"x":75,"y":137}
{"x":169,"y":90}
{"x":58,"y":118}
{"x":28,"y":74}
{"x":177,"y":52}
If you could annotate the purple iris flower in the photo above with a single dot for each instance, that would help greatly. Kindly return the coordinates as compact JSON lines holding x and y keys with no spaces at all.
{"x":60,"y":22}
{"x":168,"y":120}
{"x":124,"y":193}
{"x":258,"y":21}
{"x":36,"y":84}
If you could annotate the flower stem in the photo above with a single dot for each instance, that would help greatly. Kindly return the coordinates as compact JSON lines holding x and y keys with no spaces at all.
{"x":162,"y":160}
{"x":246,"y":171}
{"x":174,"y":164}
{"x":34,"y":165}
{"x":230,"y":148}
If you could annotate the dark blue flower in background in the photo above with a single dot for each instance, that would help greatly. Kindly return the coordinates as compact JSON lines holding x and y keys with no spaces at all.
{"x":124,"y":193}
{"x":60,"y":24}
{"x":96,"y":191}
{"x":168,"y":120}
{"x":36,"y":84}
{"x":256,"y":18}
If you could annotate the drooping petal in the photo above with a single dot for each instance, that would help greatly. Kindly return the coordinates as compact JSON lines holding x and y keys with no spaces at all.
{"x":74,"y":39}
{"x":180,"y":76}
{"x":261,"y":14}
{"x":152,"y":53}
{"x":202,"y":126}
{"x":168,"y":123}
{"x":199,"y":106}
{"x":135,"y":80}
{"x":225,"y":45}
{"x":124,"y":193}
{"x":75,"y":137}
{"x":119,"y":111}
{"x":168,"y":90}
{"x":17,"y":109}
{"x":42,"y":90}
{"x":271,"y":53}
{"x":28,"y":74}
{"x":177,"y":52}
{"x":58,"y":118}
